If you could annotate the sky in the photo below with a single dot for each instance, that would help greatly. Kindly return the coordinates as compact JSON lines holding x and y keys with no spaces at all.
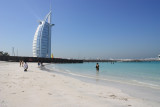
{"x":105,"y":29}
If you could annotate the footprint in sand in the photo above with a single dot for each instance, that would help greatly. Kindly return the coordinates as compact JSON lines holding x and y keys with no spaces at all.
{"x":113,"y":96}
{"x":125,"y":99}
{"x":49,"y":94}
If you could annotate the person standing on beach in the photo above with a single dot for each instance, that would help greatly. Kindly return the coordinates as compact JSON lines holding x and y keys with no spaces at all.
{"x":20,"y":63}
{"x":25,"y":66}
{"x":42,"y":64}
{"x":38,"y":63}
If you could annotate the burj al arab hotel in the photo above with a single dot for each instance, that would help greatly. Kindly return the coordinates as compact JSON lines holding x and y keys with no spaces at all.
{"x":42,"y":38}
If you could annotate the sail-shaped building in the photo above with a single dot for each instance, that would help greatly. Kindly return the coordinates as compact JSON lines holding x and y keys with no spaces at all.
{"x":42,"y":38}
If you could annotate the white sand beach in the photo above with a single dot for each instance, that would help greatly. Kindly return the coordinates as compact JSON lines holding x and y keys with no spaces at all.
{"x":37,"y":88}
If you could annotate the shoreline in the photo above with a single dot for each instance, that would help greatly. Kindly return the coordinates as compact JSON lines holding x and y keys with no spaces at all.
{"x":97,"y":78}
{"x":37,"y":88}
{"x":148,"y":93}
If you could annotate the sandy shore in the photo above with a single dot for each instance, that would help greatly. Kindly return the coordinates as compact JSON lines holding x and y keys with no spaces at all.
{"x":37,"y":88}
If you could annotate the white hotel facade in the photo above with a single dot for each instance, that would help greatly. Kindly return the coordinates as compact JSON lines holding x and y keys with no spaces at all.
{"x":42,"y":38}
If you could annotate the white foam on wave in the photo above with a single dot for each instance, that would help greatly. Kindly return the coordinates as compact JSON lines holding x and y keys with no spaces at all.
{"x":119,"y":81}
{"x":144,"y":83}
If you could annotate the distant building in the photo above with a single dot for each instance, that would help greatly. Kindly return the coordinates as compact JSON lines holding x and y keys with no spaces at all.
{"x":42,"y":38}
{"x":159,"y":57}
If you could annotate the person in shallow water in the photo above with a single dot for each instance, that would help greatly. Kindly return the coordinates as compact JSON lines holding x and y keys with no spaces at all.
{"x":97,"y":66}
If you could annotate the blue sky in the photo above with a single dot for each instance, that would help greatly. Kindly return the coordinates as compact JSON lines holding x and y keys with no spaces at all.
{"x":84,"y":28}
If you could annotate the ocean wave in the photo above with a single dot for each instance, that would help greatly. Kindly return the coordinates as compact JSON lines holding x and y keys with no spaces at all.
{"x":145,"y":83}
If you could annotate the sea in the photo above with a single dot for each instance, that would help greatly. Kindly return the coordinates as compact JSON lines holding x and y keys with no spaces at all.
{"x":140,"y":79}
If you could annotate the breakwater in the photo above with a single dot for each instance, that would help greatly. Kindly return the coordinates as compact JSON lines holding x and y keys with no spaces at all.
{"x":121,"y":60}
{"x":36,"y":59}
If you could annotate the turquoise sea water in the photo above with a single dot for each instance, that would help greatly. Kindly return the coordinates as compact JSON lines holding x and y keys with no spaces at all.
{"x":145,"y":74}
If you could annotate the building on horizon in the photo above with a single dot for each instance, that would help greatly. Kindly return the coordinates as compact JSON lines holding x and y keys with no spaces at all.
{"x":42,"y":38}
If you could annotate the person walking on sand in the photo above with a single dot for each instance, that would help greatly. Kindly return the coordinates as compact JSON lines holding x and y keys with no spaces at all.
{"x":25,"y":66}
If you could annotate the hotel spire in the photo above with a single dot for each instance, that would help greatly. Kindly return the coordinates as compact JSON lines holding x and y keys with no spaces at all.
{"x":42,"y":37}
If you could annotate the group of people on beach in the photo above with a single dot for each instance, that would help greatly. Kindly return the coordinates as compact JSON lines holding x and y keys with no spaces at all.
{"x":24,"y":65}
